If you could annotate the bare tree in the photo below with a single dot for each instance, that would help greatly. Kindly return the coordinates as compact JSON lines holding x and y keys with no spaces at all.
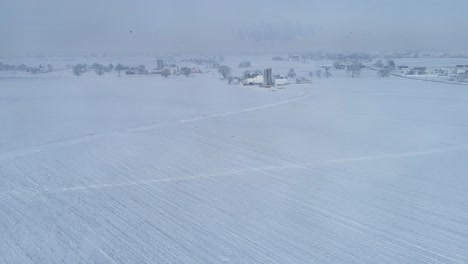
{"x":22,"y":67}
{"x":327,"y":72}
{"x":95,"y":66}
{"x":166,"y":72}
{"x":384,"y":72}
{"x":378,"y":64}
{"x":355,"y":69}
{"x":76,"y":71}
{"x":336,"y":64}
{"x":98,"y":68}
{"x":292,"y":73}
{"x":244,"y":64}
{"x":257,"y":72}
{"x":246,"y":73}
{"x":79,"y":69}
{"x":390,"y":65}
{"x":318,"y":73}
{"x":225,"y":71}
{"x":186,"y":71}
{"x":119,"y":67}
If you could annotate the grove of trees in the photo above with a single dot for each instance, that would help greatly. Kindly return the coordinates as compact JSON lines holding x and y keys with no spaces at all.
{"x":186,"y":71}
{"x":245,"y":64}
{"x":225,"y":71}
{"x":355,"y":68}
{"x":384,"y":70}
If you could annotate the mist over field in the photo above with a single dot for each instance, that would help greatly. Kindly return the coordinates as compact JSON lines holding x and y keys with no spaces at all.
{"x":82,"y":27}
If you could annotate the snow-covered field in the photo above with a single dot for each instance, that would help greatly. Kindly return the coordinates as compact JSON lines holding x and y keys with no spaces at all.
{"x":191,"y":170}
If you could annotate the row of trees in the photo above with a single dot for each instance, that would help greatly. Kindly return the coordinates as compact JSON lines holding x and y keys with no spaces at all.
{"x":353,"y":68}
{"x":209,"y":62}
{"x":338,"y":56}
{"x":101,"y":69}
{"x":25,"y":68}
{"x":319,"y":73}
{"x":245,"y":64}
{"x":384,"y":69}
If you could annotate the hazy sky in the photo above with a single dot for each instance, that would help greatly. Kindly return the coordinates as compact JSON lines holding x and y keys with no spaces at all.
{"x":87,"y":26}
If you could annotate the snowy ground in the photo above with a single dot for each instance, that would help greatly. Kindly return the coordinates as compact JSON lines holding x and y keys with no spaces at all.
{"x":191,"y":170}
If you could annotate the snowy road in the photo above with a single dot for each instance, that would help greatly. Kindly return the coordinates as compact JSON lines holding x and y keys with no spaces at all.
{"x":358,"y":170}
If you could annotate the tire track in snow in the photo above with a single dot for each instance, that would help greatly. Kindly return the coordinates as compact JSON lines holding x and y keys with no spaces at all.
{"x":205,"y":117}
{"x":241,"y":171}
{"x":81,"y":139}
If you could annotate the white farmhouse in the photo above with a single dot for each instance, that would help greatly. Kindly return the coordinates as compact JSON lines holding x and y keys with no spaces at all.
{"x":254,"y":80}
{"x":281,"y":80}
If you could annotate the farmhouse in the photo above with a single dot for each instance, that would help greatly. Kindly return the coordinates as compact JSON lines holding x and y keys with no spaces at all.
{"x":302,"y":80}
{"x":280,"y":80}
{"x":417,"y":71}
{"x":255,"y":79}
{"x":294,"y":57}
{"x":461,"y":69}
{"x":403,"y":69}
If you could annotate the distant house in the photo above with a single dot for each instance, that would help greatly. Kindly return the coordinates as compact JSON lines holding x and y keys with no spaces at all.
{"x":142,"y":71}
{"x":130,"y":72}
{"x":461,"y":69}
{"x":403,"y":69}
{"x":156,"y":71}
{"x":419,"y":70}
{"x":196,"y":70}
{"x":294,"y":57}
{"x":302,"y":80}
{"x":280,"y":80}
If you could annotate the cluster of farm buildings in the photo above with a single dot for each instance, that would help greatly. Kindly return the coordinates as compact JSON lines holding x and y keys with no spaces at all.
{"x":161,"y":69}
{"x":267,"y":79}
{"x":444,"y":71}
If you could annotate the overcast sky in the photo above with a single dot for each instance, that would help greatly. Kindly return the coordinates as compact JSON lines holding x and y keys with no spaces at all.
{"x":232,"y":26}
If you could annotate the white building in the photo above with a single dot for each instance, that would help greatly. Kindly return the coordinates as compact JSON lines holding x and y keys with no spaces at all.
{"x":281,"y":80}
{"x":172,"y":70}
{"x":254,"y":80}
